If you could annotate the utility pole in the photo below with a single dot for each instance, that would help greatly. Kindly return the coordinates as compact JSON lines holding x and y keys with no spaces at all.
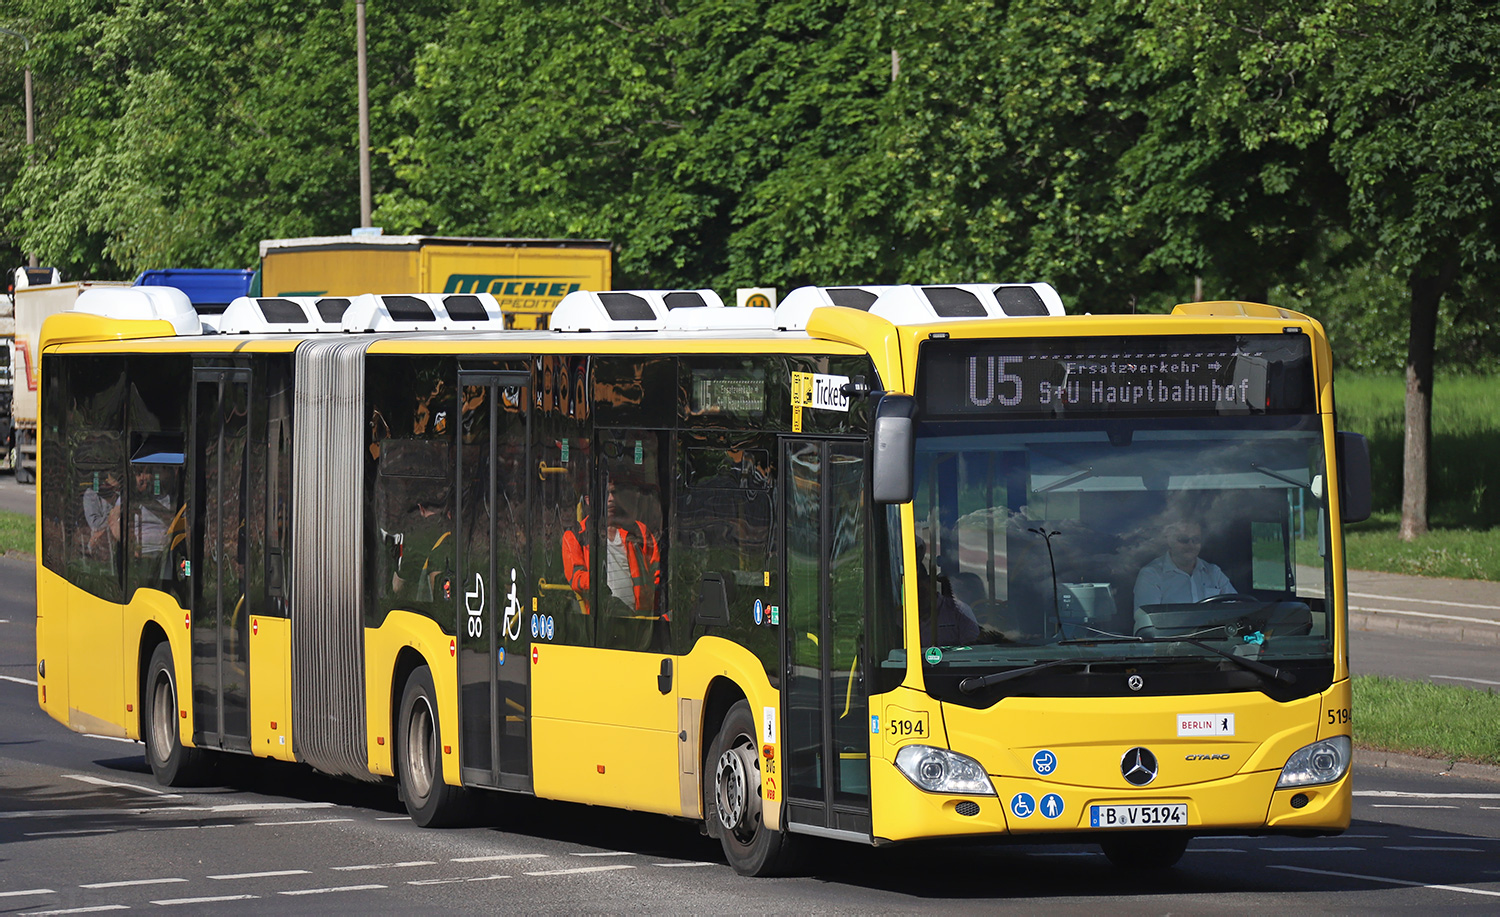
{"x":30,"y":115}
{"x":366,"y":209}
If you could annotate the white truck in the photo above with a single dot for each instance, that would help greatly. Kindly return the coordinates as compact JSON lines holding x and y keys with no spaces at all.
{"x":37,"y":293}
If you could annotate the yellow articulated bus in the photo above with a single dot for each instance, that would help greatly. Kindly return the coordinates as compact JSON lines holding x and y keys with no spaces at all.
{"x":881,"y":564}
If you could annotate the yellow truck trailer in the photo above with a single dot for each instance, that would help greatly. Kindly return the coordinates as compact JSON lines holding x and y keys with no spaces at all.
{"x":528,"y":277}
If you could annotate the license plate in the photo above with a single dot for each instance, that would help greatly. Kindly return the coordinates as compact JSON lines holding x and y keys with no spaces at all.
{"x":1173,"y":815}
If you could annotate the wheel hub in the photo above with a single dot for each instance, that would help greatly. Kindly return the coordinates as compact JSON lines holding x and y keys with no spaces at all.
{"x":737,"y":788}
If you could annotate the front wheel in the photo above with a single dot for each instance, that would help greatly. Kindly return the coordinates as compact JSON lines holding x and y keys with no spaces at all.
{"x":1145,"y":851}
{"x":732,"y":801}
{"x":171,"y":762}
{"x":430,"y":802}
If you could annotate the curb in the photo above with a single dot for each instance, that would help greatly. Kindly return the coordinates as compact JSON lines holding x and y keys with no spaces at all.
{"x":1375,"y":622}
{"x":1376,"y":758}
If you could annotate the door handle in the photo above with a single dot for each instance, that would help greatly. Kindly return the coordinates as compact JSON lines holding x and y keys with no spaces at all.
{"x":664,"y":680}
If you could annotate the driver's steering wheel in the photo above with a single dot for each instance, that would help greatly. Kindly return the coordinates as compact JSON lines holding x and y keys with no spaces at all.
{"x":1227,"y":597}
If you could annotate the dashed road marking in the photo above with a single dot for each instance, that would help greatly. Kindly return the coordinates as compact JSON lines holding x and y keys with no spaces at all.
{"x":100,"y":781}
{"x":79,"y":910}
{"x":1443,"y":849}
{"x":1482,"y":681}
{"x":129,"y":882}
{"x":500,"y":856}
{"x":19,"y":681}
{"x":455,"y":880}
{"x":1392,"y":805}
{"x":212,"y":899}
{"x":1403,"y":794}
{"x":1312,"y":848}
{"x":339,"y":888}
{"x":383,"y":865}
{"x":680,"y":865}
{"x":90,"y":735}
{"x":1389,"y":881}
{"x":1402,"y":598}
{"x":270,"y":874}
{"x":580,"y":870}
{"x":27,"y":891}
{"x":305,"y":821}
{"x":607,"y":853}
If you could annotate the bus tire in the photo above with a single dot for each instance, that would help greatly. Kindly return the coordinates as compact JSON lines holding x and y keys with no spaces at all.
{"x":430,"y":802}
{"x":171,"y":762}
{"x":1146,"y":851}
{"x":732,"y":798}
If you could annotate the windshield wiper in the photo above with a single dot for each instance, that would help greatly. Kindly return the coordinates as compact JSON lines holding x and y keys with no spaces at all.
{"x":979,"y":682}
{"x":1254,"y":665}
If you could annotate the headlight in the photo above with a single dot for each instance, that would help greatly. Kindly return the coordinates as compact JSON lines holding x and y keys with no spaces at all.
{"x":938,"y":770}
{"x":1320,"y":762}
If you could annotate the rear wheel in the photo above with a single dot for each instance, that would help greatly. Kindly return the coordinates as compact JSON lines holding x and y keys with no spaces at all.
{"x":171,"y":762}
{"x":732,"y":799}
{"x":430,"y":802}
{"x":1145,"y":851}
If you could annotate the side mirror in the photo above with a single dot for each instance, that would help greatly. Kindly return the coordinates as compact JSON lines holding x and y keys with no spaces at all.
{"x":895,"y":449}
{"x":1353,"y":457}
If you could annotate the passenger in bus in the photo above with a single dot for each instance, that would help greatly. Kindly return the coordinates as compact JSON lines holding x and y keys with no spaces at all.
{"x":101,"y":510}
{"x":1179,"y":576}
{"x":632,"y":561}
{"x":150,"y":515}
{"x":943,"y":621}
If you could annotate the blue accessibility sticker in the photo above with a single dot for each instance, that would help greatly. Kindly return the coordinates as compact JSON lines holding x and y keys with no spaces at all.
{"x":1052,"y":805}
{"x":760,"y":611}
{"x":1022,"y":805}
{"x":1044,"y":762}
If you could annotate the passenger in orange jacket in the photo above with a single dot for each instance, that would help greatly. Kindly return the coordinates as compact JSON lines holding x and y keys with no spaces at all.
{"x":632,"y":562}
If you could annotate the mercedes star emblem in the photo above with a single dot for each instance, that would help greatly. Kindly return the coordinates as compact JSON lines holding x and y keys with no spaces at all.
{"x":1136,"y":682}
{"x":1138,"y":766}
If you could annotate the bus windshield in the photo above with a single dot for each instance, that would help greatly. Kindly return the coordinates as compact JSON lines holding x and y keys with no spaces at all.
{"x":1181,"y":552}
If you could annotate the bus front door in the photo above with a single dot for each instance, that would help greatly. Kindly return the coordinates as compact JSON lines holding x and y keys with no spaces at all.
{"x":220,"y":620}
{"x":826,"y":740}
{"x":493,"y":596}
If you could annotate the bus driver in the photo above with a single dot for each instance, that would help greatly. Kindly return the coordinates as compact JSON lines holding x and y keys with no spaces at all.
{"x":1180,"y":576}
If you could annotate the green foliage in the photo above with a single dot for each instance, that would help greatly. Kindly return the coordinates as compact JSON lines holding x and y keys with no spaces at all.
{"x":1440,"y":721}
{"x":17,"y":533}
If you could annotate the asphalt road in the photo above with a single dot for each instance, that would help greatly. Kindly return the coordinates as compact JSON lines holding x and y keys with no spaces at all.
{"x":84,"y":827}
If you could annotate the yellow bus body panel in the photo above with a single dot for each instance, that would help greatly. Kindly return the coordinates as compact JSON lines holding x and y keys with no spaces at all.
{"x":96,"y":697}
{"x":714,"y":659}
{"x":53,"y":662}
{"x":270,"y":687}
{"x":155,"y":607}
{"x":383,"y":644}
{"x":615,"y":747}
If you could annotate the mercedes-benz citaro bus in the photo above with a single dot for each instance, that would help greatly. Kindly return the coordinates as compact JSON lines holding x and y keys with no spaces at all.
{"x":880,"y":564}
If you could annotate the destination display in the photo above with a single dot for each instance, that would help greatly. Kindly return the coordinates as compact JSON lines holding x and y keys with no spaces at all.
{"x":1080,"y":377}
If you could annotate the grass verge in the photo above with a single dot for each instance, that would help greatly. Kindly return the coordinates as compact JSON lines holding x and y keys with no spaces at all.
{"x":1457,"y":553}
{"x":1435,"y":721}
{"x":17,"y":533}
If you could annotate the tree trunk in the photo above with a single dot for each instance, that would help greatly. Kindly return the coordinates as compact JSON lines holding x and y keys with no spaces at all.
{"x":1426,"y":293}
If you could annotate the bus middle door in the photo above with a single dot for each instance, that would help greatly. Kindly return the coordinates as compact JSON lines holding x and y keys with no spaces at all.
{"x":493,"y":594}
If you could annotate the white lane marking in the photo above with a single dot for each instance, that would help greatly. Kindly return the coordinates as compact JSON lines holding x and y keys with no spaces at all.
{"x":1402,"y":794}
{"x":51,"y":813}
{"x":90,"y":735}
{"x":383,"y":865}
{"x":340,"y":888}
{"x":182,"y":827}
{"x":27,"y":891}
{"x":129,"y":882}
{"x":1362,"y":837}
{"x":1062,"y":853}
{"x":305,"y":821}
{"x":1311,"y":849}
{"x":1392,"y":805}
{"x":393,"y":818}
{"x":500,"y":856}
{"x":1354,"y":875}
{"x":1428,"y":614}
{"x":680,"y":865}
{"x":100,"y":781}
{"x":1490,"y":808}
{"x":1452,"y":837}
{"x":19,"y":681}
{"x":264,"y":875}
{"x":1217,"y":850}
{"x":1481,"y":681}
{"x":269,"y":806}
{"x":1402,"y":598}
{"x":607,"y":853}
{"x":72,"y":831}
{"x":1443,"y":849}
{"x":213,"y":899}
{"x":80,"y":910}
{"x":581,"y":869}
{"x":455,"y":880}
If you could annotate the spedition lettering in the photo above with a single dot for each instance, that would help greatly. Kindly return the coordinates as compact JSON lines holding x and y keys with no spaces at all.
{"x":1236,"y":375}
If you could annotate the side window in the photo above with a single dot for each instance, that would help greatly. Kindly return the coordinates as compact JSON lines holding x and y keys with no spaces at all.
{"x":93,"y":508}
{"x":155,"y":526}
{"x":725,"y":538}
{"x":563,"y":465}
{"x":630,"y":542}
